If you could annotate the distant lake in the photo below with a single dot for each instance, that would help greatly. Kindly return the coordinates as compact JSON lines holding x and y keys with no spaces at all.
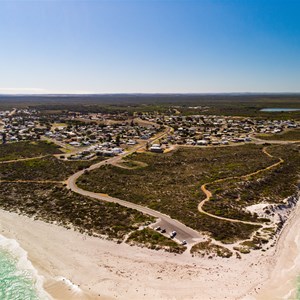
{"x":279,"y":109}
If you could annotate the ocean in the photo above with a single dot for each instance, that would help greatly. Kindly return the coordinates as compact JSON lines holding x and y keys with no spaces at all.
{"x":298,"y":288}
{"x":18,"y":278}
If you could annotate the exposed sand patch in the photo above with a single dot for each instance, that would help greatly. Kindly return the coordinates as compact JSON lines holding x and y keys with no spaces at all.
{"x":285,"y":264}
{"x":100,"y":267}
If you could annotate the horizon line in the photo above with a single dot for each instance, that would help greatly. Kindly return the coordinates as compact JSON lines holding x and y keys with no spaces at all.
{"x":150,"y":93}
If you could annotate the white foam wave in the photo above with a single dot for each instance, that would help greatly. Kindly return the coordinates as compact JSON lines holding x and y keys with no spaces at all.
{"x":23,"y":264}
{"x":72,"y":286}
{"x":289,"y":294}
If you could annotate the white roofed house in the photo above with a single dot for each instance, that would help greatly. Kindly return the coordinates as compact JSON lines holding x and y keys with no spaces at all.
{"x":156,"y":148}
{"x":202,"y":142}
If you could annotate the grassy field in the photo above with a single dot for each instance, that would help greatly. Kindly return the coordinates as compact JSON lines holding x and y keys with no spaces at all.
{"x":12,"y":151}
{"x":53,"y":203}
{"x":151,"y":239}
{"x":171,"y":183}
{"x":46,"y":168}
{"x":289,"y":135}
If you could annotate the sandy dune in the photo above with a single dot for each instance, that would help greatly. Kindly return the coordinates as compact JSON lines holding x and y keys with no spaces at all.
{"x":285,"y":265}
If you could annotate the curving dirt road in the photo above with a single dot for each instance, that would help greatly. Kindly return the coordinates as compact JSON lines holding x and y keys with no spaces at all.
{"x":183,"y":232}
{"x":245,"y":177}
{"x":164,"y":221}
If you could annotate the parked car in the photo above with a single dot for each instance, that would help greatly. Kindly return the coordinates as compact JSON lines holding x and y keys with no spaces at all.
{"x":172,"y":234}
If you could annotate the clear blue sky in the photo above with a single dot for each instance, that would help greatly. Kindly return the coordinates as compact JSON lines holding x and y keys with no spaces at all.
{"x":149,"y":46}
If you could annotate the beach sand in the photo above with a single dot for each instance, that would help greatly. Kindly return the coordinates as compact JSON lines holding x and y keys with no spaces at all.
{"x":285,"y":264}
{"x":75,"y":266}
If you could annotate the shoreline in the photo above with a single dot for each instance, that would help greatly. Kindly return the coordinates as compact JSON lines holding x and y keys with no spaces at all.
{"x":98,"y":269}
{"x":101,"y":267}
{"x":282,"y":280}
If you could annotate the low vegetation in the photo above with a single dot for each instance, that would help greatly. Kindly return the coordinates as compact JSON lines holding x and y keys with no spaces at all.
{"x":149,"y":238}
{"x":255,"y":243}
{"x":273,"y":186}
{"x":171,"y":183}
{"x":12,"y":151}
{"x":210,"y":249}
{"x":229,"y":105}
{"x":46,"y":168}
{"x":290,"y":135}
{"x":53,"y":203}
{"x":129,"y":164}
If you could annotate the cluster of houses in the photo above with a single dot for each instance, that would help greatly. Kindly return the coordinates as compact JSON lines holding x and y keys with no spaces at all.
{"x":96,"y":117}
{"x":216,"y":130}
{"x":91,"y":138}
{"x":103,"y":149}
{"x":108,"y":133}
{"x":118,"y":134}
{"x":20,"y":125}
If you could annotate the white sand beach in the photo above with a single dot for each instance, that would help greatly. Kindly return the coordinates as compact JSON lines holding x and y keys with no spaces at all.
{"x":285,"y":264}
{"x":75,"y":266}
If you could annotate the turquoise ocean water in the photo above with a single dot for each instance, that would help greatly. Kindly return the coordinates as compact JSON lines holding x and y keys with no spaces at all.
{"x":18,"y":279}
{"x":298,"y":288}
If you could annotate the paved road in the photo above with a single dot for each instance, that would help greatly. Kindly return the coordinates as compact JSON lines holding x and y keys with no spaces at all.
{"x":164,"y":221}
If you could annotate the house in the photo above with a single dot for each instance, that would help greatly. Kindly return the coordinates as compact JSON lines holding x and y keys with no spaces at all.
{"x":131,"y":142}
{"x":75,"y":144}
{"x":156,"y":148}
{"x":202,"y":142}
{"x":117,"y":150}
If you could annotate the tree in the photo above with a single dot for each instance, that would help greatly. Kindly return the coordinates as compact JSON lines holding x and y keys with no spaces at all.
{"x":118,"y":140}
{"x":4,"y":138}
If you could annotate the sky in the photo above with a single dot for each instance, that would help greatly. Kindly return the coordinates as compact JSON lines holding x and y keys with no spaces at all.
{"x":149,"y":46}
